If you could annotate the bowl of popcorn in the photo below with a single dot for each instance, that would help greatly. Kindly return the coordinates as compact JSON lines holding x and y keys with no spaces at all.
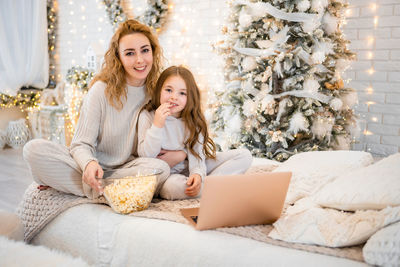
{"x":131,"y":193}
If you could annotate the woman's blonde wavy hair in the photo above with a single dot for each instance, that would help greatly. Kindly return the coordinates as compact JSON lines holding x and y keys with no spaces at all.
{"x":112,"y":71}
{"x":192,"y":114}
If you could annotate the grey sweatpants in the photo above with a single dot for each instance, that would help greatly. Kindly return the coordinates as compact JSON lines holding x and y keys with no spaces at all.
{"x":236,"y":161}
{"x":51,"y":164}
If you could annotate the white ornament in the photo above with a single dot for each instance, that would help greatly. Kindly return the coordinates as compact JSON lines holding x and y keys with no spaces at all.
{"x":249,"y":108}
{"x":3,"y":139}
{"x":303,"y":5}
{"x":319,"y":5}
{"x":336,"y":103}
{"x":249,"y":64}
{"x":248,"y":87}
{"x":318,"y":57}
{"x":17,"y":133}
{"x":349,"y":100}
{"x":310,"y":85}
{"x":235,"y":125}
{"x":329,"y":23}
{"x":310,"y":26}
{"x":268,"y":104}
{"x":245,"y":19}
{"x":258,"y":10}
{"x":298,"y":123}
{"x":322,"y":127}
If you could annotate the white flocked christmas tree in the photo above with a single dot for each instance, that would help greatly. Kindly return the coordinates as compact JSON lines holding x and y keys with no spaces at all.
{"x":285,"y":93}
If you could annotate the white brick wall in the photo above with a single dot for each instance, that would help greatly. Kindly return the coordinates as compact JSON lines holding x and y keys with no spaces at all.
{"x":377,"y":45}
{"x":194,"y":25}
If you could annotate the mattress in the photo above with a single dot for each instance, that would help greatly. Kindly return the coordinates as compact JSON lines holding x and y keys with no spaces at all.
{"x":104,"y":238}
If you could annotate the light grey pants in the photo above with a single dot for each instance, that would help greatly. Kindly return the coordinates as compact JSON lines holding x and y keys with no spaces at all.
{"x":236,"y":161}
{"x":51,"y":164}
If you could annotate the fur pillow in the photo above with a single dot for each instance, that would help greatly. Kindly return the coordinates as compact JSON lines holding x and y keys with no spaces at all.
{"x":383,"y":248}
{"x":312,"y":170}
{"x":373,"y":187}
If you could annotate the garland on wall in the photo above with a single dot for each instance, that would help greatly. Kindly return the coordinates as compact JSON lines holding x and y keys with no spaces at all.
{"x":51,"y":36}
{"x":21,"y":100}
{"x":155,"y":16}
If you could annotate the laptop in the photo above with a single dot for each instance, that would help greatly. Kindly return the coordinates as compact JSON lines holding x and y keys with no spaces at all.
{"x":236,"y":200}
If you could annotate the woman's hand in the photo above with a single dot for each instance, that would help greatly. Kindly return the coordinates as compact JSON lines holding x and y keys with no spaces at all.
{"x":161,"y":114}
{"x":92,"y":171}
{"x":194,"y":185}
{"x":172,"y":157}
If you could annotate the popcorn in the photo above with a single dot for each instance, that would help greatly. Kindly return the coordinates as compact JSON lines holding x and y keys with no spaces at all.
{"x":130,"y":193}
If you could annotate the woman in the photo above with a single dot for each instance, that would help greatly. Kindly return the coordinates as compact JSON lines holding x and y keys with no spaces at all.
{"x":105,"y":137}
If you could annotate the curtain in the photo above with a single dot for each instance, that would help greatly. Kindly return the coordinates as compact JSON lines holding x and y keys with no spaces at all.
{"x":24,"y":58}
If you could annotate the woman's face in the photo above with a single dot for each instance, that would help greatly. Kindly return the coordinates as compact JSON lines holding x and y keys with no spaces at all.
{"x":136,"y":56}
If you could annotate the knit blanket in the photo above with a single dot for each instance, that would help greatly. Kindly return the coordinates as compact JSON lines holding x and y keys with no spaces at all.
{"x":38,"y":208}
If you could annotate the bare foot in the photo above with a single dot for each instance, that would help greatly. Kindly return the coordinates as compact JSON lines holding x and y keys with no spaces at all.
{"x":43,"y":187}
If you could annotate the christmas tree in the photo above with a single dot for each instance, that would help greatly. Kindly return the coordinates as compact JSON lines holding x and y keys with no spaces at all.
{"x":284,"y":65}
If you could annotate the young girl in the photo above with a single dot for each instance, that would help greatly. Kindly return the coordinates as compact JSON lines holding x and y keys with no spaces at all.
{"x":173,"y":120}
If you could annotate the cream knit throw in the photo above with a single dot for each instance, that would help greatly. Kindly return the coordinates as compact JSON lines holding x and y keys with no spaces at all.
{"x":40,"y":207}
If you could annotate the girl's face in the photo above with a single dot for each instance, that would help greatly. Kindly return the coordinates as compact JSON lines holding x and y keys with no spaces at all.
{"x":174,"y":92}
{"x":137,"y":57}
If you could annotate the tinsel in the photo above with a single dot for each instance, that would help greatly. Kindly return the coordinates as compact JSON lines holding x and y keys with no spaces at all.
{"x":155,"y":16}
{"x":294,"y":98}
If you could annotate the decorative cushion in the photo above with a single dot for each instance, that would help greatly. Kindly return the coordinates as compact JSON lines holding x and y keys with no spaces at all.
{"x":383,"y":248}
{"x":11,"y":226}
{"x":312,"y":170}
{"x":373,"y":187}
{"x":308,"y":223}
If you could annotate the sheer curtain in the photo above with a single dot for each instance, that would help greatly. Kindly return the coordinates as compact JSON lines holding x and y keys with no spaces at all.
{"x":24,"y":58}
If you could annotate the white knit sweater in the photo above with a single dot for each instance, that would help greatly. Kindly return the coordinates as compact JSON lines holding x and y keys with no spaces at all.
{"x":104,"y":133}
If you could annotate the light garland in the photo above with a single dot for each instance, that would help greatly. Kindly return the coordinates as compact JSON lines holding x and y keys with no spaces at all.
{"x":51,"y":36}
{"x":25,"y":101}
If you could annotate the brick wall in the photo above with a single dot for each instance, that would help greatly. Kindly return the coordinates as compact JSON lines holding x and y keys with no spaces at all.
{"x":194,"y":25}
{"x":373,"y":27}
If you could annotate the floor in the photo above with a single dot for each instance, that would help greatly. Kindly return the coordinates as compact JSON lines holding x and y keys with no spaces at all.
{"x":14,"y":178}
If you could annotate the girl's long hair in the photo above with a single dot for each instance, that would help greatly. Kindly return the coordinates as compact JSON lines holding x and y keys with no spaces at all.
{"x":192,"y":114}
{"x":112,"y":71}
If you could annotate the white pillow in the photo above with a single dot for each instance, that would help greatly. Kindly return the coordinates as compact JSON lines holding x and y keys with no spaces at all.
{"x":307,"y":223}
{"x":383,"y":248}
{"x":373,"y":187}
{"x":312,"y":170}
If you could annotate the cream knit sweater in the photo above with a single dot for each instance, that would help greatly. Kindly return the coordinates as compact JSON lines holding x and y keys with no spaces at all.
{"x":104,"y":133}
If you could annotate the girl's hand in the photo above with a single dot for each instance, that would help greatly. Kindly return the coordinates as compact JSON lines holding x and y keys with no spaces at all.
{"x":161,"y":114}
{"x":194,"y":185}
{"x":92,"y":171}
{"x":172,"y":157}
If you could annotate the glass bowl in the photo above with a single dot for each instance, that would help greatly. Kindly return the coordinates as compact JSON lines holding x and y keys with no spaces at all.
{"x":131,"y":193}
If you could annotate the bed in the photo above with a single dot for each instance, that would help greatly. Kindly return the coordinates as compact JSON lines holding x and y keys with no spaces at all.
{"x":104,"y":238}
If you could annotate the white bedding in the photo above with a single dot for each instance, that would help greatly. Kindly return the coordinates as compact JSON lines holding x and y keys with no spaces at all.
{"x":105,"y":238}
